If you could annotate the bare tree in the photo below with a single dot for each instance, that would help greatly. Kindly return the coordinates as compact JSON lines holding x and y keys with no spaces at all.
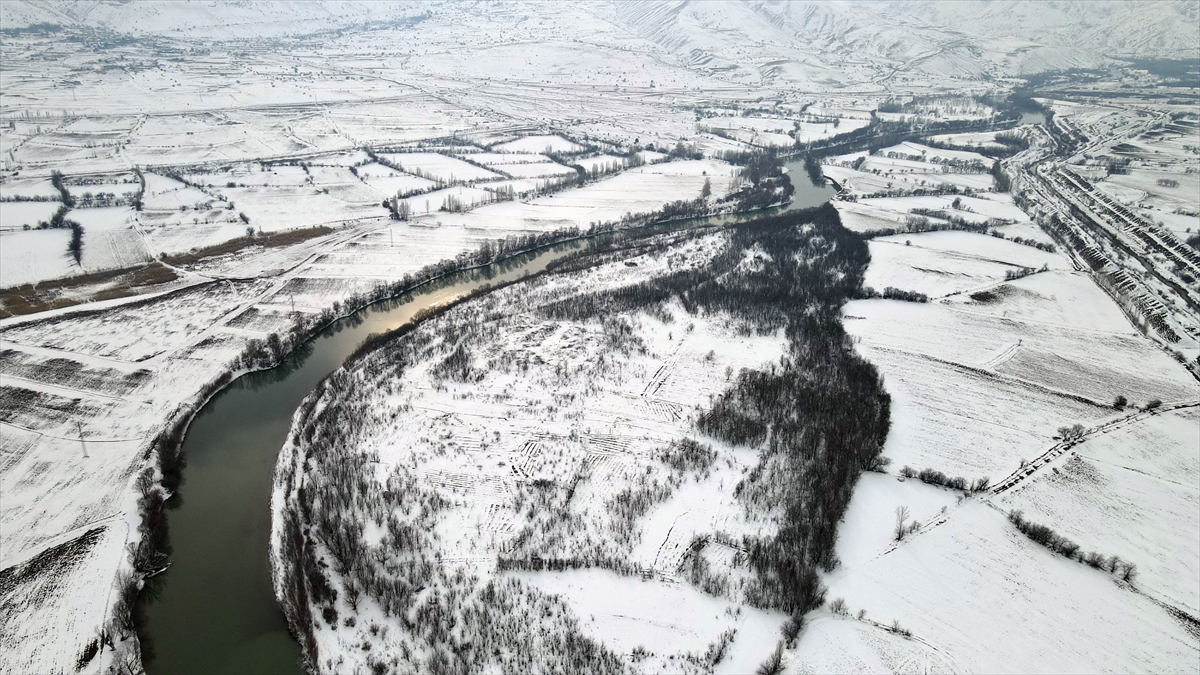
{"x":1129,"y":572}
{"x":901,"y":516}
{"x":774,"y":664}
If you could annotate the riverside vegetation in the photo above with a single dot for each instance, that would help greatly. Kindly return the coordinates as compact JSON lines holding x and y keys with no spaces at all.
{"x":353,"y":547}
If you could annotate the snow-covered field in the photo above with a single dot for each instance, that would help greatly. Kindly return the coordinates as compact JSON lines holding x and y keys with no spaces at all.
{"x":438,"y":167}
{"x":538,"y":144}
{"x":636,"y":191}
{"x":978,"y":596}
{"x":563,"y":412}
{"x":1131,"y":492}
{"x":260,"y":116}
{"x":981,"y":382}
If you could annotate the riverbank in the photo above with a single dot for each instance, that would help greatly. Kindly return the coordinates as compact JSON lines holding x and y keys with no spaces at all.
{"x":326,"y":577}
{"x":546,"y":242}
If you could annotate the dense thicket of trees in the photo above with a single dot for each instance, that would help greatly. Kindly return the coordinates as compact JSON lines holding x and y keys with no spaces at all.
{"x":60,"y":220}
{"x":763,"y":181}
{"x":821,"y":416}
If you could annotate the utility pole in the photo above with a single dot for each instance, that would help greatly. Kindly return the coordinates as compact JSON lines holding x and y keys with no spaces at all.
{"x":79,"y":426}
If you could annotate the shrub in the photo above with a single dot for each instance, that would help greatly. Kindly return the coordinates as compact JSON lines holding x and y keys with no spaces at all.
{"x":774,"y":663}
{"x":330,"y":615}
{"x":1129,"y":572}
{"x":1071,"y":433}
{"x":792,"y":628}
{"x":934,"y":477}
{"x":89,"y":652}
{"x":1055,"y":542}
{"x":878,"y":464}
{"x":893,"y":293}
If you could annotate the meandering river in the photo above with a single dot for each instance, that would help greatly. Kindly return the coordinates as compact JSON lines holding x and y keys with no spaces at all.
{"x":214,"y":610}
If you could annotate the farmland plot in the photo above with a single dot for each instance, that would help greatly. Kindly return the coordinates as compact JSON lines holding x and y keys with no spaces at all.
{"x":439,"y":167}
{"x":27,"y":590}
{"x":29,"y":257}
{"x":284,"y":208}
{"x":139,"y":331}
{"x":29,"y":188}
{"x":538,"y":144}
{"x":865,"y":219}
{"x":981,"y":382}
{"x":1057,"y":297}
{"x":642,"y":190}
{"x":930,"y":271}
{"x":925,"y":153}
{"x":540,"y":170}
{"x":980,"y":247}
{"x":1009,"y":344}
{"x":502,"y":159}
{"x":1062,"y":614}
{"x":388,"y":182}
{"x":1130,"y":492}
{"x":983,"y":139}
{"x":879,"y":175}
{"x":109,"y":242}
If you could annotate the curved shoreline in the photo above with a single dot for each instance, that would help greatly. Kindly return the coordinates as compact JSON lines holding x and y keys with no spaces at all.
{"x":169,"y":443}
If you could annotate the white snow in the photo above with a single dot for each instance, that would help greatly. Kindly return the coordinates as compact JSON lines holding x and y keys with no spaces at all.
{"x":234,"y":92}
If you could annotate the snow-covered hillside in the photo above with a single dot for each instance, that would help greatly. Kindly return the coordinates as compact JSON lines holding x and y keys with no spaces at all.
{"x":755,"y":43}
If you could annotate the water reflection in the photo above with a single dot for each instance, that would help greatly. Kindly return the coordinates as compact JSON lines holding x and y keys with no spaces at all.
{"x":213,"y":610}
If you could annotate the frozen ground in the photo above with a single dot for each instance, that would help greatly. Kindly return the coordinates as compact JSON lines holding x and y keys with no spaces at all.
{"x":265,"y":110}
{"x":982,"y":378}
{"x":173,"y":344}
{"x":555,"y":409}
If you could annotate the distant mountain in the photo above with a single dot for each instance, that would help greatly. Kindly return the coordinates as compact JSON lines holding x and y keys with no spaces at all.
{"x":203,"y":18}
{"x":764,"y":42}
{"x":934,"y":37}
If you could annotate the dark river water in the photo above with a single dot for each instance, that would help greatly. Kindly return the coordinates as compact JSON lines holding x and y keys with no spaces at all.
{"x":214,"y":610}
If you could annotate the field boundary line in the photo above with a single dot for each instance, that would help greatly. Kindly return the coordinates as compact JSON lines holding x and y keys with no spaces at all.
{"x":1058,"y":449}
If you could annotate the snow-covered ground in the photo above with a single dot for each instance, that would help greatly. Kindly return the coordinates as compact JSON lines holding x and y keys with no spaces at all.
{"x":181,"y":341}
{"x":264,"y":109}
{"x":557,"y":409}
{"x":982,"y":378}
